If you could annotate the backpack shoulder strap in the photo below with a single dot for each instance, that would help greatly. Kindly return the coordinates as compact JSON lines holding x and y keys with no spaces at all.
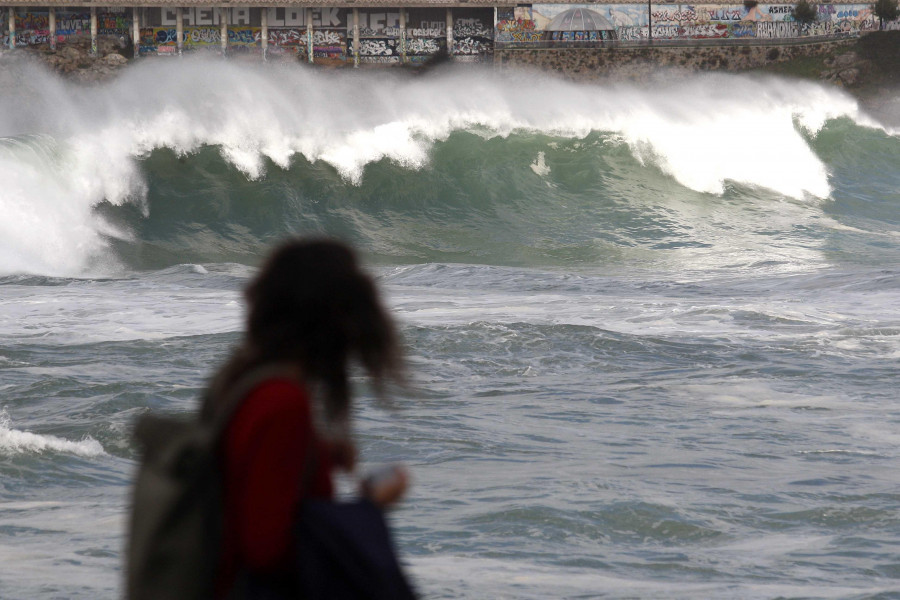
{"x":234,"y":396}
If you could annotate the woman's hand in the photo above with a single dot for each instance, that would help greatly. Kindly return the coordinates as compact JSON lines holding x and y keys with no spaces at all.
{"x":386,"y":486}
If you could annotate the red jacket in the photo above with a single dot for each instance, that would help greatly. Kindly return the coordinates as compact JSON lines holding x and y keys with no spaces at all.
{"x":264,"y":455}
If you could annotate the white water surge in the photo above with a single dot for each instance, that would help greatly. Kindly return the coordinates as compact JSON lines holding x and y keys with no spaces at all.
{"x":15,"y":441}
{"x":66,"y":148}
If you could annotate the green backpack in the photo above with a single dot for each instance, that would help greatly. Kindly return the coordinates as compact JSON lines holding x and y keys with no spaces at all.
{"x":176,"y":526}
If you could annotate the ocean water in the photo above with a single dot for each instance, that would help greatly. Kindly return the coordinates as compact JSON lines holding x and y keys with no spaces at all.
{"x":653,"y":331}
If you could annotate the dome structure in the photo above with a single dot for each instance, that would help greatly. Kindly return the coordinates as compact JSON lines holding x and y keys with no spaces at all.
{"x":579,"y":19}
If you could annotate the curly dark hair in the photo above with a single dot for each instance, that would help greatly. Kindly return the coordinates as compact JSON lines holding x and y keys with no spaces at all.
{"x":311,"y":305}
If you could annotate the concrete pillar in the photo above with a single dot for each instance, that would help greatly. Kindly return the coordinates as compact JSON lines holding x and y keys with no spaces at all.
{"x":51,"y":25}
{"x":179,"y":29}
{"x":223,"y":29}
{"x":12,"y":27}
{"x":450,"y":32}
{"x":136,"y":30}
{"x":309,"y":35}
{"x":264,"y":34}
{"x":402,"y":36}
{"x":495,"y":62}
{"x":356,"y":38}
{"x":93,"y":31}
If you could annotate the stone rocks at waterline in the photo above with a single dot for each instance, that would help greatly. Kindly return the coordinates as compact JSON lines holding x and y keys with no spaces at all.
{"x":846,"y":69}
{"x":73,"y":58}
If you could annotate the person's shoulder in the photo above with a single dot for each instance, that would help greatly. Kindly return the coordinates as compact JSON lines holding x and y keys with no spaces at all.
{"x":274,"y":397}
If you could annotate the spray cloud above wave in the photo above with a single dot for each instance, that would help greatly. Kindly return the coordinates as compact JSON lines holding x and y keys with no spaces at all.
{"x":66,"y":148}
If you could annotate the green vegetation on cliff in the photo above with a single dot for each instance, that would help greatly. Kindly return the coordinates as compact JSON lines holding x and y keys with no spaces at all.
{"x":866,"y":68}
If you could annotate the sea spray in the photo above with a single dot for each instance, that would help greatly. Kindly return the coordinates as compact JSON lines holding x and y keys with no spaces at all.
{"x":703,"y":131}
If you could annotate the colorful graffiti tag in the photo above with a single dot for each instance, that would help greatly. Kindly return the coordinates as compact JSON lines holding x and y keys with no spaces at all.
{"x":475,"y":30}
{"x":473,"y":34}
{"x":632,"y":22}
{"x":517,"y":25}
{"x":33,"y":27}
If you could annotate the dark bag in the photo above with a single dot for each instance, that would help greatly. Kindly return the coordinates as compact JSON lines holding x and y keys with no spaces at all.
{"x":175,"y":535}
{"x":345,"y":552}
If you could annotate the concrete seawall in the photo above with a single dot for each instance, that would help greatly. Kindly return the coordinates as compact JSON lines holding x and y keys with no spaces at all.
{"x":639,"y":63}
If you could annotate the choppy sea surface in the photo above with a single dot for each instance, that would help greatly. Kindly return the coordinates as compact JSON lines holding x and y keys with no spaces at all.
{"x":653,"y":332}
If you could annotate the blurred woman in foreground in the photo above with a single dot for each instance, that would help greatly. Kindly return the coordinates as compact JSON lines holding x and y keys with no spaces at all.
{"x":311,"y":313}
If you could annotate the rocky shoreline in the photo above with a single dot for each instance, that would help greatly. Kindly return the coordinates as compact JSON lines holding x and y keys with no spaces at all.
{"x":74,"y":60}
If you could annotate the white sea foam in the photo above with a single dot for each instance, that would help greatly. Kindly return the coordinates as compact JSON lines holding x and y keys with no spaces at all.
{"x":117,"y":310}
{"x":15,"y":441}
{"x":703,"y":131}
{"x":469,"y":577}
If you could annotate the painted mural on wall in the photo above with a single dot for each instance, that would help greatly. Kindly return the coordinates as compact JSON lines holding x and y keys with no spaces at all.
{"x":379,"y":35}
{"x":473,"y":33}
{"x":518,"y":26}
{"x":164,"y":40}
{"x":475,"y":29}
{"x":426,"y":33}
{"x":33,"y":25}
{"x":287,"y":33}
{"x":632,"y":22}
{"x":763,"y":21}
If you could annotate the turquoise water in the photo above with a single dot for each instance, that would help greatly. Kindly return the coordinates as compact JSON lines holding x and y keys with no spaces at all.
{"x":652,"y":331}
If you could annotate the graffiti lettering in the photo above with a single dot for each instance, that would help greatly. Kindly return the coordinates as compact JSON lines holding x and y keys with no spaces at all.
{"x":743,"y":30}
{"x":287,"y":37}
{"x":517,"y":30}
{"x":707,"y":31}
{"x":472,"y":28}
{"x":326,"y":38}
{"x":676,"y":16}
{"x":776,"y":29}
{"x":377,"y":47}
{"x":470,"y":45}
{"x":417,"y":33}
{"x":517,"y":25}
{"x":723,"y":14}
{"x":204,"y":36}
{"x":379,"y":59}
{"x":423,"y":46}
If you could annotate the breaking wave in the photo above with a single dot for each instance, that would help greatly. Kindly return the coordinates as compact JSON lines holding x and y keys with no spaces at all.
{"x":67,"y":150}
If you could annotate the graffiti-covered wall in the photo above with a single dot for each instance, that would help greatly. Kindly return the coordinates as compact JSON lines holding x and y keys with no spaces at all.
{"x":387,"y":35}
{"x":287,"y":31}
{"x":33,"y":25}
{"x":426,"y":33}
{"x":379,"y":35}
{"x":548,"y":23}
{"x":473,"y":33}
{"x":381,"y":39}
